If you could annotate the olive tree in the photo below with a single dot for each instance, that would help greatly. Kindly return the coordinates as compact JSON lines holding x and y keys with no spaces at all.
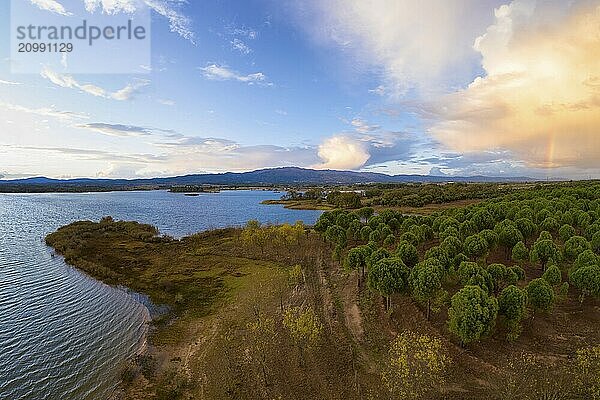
{"x":472,"y":314}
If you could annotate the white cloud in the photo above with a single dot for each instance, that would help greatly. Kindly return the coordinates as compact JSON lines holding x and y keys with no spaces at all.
{"x":119,"y":130}
{"x":342,"y":152}
{"x":11,"y":83}
{"x":240,"y":46}
{"x":67,"y":81}
{"x":539,"y":98}
{"x":379,"y":90}
{"x":223,"y":73}
{"x":166,"y":102}
{"x":52,"y":6}
{"x":361,"y":126}
{"x":178,"y":22}
{"x":45,"y":112}
{"x":422,"y":45}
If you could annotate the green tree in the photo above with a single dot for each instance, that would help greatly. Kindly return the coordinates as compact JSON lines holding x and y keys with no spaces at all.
{"x":540,"y":295}
{"x":596,"y":242}
{"x":377,"y":255}
{"x":344,"y":199}
{"x":526,"y":226}
{"x":490,"y":237}
{"x":550,"y":224}
{"x":545,"y":235}
{"x":408,"y":253}
{"x":585,"y":259}
{"x":472,"y":314}
{"x":520,"y":252}
{"x":364,"y":213}
{"x":483,"y":219}
{"x":471,"y":273}
{"x":565,"y":232}
{"x":426,"y":281}
{"x":520,"y":272}
{"x":467,"y":228}
{"x":357,"y":258}
{"x":336,"y":234}
{"x":501,"y":276}
{"x":511,"y":304}
{"x":475,"y":246}
{"x":587,"y":279}
{"x":452,"y":246}
{"x":543,"y":251}
{"x":553,"y":275}
{"x":508,"y":237}
{"x":388,"y":276}
{"x":575,"y":246}
{"x":415,"y":365}
{"x":389,"y":240}
{"x":365,"y":233}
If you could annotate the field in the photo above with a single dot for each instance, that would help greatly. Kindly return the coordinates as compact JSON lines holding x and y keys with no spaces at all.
{"x":493,"y":298}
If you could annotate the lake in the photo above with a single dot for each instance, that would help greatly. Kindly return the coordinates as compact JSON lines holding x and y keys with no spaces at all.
{"x":64,"y":335}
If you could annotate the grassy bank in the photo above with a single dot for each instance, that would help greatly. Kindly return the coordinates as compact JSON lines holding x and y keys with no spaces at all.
{"x":266,"y":312}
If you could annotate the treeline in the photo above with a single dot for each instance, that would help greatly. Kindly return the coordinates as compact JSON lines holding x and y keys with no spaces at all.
{"x":441,"y":260}
{"x":415,"y":195}
{"x":61,"y":188}
{"x":342,"y":199}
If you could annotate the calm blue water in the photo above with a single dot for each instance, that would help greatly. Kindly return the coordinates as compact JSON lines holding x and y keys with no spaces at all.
{"x":64,"y":335}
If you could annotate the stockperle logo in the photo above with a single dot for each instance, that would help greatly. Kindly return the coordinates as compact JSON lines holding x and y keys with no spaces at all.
{"x":80,"y":37}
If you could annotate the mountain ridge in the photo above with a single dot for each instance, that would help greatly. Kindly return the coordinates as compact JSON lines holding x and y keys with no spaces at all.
{"x":266,"y":176}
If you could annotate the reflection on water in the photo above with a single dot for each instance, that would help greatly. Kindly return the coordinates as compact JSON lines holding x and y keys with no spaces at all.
{"x":63,"y":334}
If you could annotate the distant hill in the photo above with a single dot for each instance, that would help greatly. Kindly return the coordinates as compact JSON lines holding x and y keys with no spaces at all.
{"x":261,"y":177}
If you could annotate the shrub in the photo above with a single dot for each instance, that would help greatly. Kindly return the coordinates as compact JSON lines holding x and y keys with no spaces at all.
{"x":415,"y":365}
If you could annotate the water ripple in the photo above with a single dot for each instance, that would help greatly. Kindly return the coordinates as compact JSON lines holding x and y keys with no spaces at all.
{"x":63,"y":334}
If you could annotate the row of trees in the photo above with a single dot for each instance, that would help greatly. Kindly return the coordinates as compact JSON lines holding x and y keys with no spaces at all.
{"x":442,"y":258}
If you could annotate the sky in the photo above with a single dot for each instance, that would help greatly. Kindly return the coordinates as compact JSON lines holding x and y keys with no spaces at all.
{"x":465,"y":87}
